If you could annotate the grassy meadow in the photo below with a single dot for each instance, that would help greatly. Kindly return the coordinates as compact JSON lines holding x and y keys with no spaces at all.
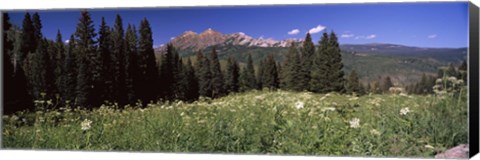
{"x":255,"y":122}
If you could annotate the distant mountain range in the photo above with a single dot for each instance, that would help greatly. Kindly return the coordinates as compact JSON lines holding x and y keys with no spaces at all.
{"x":403,"y":63}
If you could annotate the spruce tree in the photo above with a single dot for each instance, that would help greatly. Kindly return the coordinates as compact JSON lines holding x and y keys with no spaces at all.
{"x":70,"y":72}
{"x":320,"y":80}
{"x":270,"y":75}
{"x":462,"y":72}
{"x":27,"y":38}
{"x":204,"y":75}
{"x":119,"y":54}
{"x":85,"y":47}
{"x":305,"y":62}
{"x":232,"y":75}
{"x":58,"y":63}
{"x":106,"y":64}
{"x":16,"y":97}
{"x":387,"y":83}
{"x":148,"y":77}
{"x":41,"y":73}
{"x":250,"y":79}
{"x":293,"y":69}
{"x":131,"y":65}
{"x":191,"y":82}
{"x":259,"y":74}
{"x":217,"y":81}
{"x":336,"y":65}
{"x":353,"y":84}
{"x":167,"y":73}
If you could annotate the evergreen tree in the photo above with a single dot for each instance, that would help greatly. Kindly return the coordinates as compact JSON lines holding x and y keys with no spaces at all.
{"x":451,"y":71}
{"x":305,"y":62}
{"x":368,"y":88}
{"x":320,"y":81}
{"x":250,"y":79}
{"x":387,"y":83}
{"x":41,"y":73}
{"x":217,"y":81}
{"x":167,"y":70}
{"x":260,"y":73}
{"x":293,"y":69}
{"x":336,"y":65}
{"x":85,"y":46}
{"x":27,"y":40}
{"x":353,"y":84}
{"x":204,"y":75}
{"x":105,"y":62}
{"x":37,"y":29}
{"x":232,"y":75}
{"x":243,"y":80}
{"x":191,"y":82}
{"x":119,"y":54}
{"x":16,"y":97}
{"x":463,"y":73}
{"x":70,"y":73}
{"x":148,"y":77}
{"x":376,"y":88}
{"x":270,"y":75}
{"x":58,"y":63}
{"x":131,"y":65}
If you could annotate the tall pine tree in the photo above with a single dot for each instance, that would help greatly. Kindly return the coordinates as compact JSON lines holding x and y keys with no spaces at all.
{"x":131,"y":65}
{"x":106,"y":63}
{"x":217,"y":81}
{"x":305,"y":61}
{"x":204,"y":75}
{"x":119,"y":54}
{"x":232,"y":75}
{"x":147,"y":65}
{"x":86,"y":49}
{"x":70,"y":72}
{"x":270,"y":75}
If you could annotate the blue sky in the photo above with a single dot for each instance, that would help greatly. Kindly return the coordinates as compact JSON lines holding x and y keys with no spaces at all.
{"x":412,"y":24}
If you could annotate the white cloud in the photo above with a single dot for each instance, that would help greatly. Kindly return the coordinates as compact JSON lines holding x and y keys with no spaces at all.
{"x":347,"y":35}
{"x":66,"y":41}
{"x":316,"y":29}
{"x":171,"y":38}
{"x":432,"y":36}
{"x":372,"y":36}
{"x":294,"y":32}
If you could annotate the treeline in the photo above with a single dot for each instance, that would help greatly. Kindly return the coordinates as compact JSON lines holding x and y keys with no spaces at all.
{"x":426,"y":83}
{"x":108,"y":66}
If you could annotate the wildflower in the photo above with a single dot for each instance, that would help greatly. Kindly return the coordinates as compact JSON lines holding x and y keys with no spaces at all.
{"x":438,"y":80}
{"x":403,"y":94}
{"x":328,"y":109}
{"x":452,"y":79}
{"x":353,"y":98}
{"x":355,"y":123}
{"x":86,"y":124}
{"x":429,"y":146}
{"x":49,"y":102}
{"x":404,"y":111}
{"x":259,"y":97}
{"x":299,"y":105}
{"x":460,"y":82}
{"x":374,"y":132}
{"x":183,"y":113}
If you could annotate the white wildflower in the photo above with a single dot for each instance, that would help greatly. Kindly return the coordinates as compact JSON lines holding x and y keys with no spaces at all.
{"x":429,"y":146}
{"x":328,"y":109}
{"x":403,"y":94}
{"x":353,"y":99}
{"x":49,"y":102}
{"x":438,"y":80}
{"x":452,"y":79}
{"x":460,"y":82}
{"x":355,"y":123}
{"x":86,"y":124}
{"x":404,"y":111}
{"x":374,"y":132}
{"x":299,"y":105}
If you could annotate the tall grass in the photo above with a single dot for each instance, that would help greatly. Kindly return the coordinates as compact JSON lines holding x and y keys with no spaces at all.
{"x":256,"y":122}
